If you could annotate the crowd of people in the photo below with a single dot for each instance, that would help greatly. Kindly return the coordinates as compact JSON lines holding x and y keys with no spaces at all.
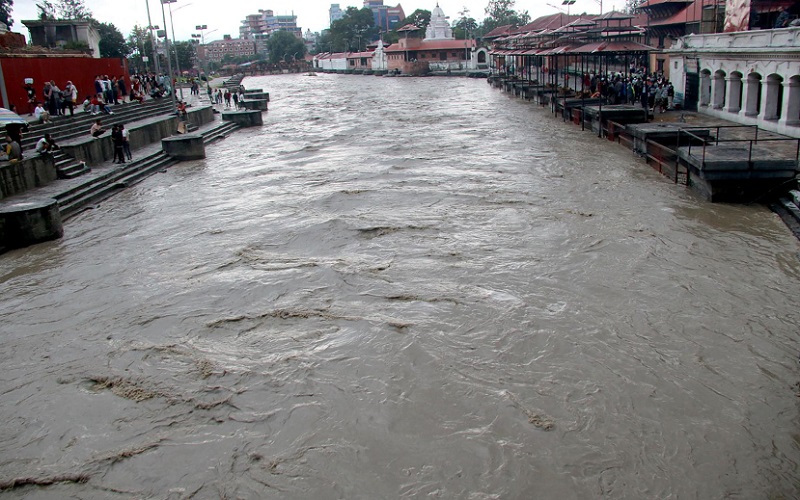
{"x":53,"y":101}
{"x":653,"y":91}
{"x":230,"y":99}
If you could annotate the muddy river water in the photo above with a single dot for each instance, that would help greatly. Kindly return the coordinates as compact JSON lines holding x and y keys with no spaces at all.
{"x":404,"y":288}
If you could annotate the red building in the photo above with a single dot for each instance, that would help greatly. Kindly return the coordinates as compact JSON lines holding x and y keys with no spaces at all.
{"x":410,"y":53}
{"x":80,"y":70}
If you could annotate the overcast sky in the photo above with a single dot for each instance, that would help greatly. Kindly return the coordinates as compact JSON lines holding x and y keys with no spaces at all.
{"x":225,"y":16}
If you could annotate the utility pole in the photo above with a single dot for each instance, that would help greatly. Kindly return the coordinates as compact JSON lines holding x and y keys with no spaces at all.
{"x":152,"y":38}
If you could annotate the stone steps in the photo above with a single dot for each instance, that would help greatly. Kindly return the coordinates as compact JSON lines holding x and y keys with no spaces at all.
{"x":68,"y":167}
{"x":73,"y":201}
{"x":64,"y":129}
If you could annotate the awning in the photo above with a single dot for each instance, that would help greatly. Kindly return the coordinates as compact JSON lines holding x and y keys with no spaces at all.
{"x":613,"y":47}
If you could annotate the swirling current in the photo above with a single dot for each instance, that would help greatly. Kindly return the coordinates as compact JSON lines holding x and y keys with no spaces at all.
{"x":404,"y":288}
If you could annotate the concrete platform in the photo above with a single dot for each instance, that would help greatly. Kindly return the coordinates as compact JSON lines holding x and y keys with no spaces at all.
{"x":620,"y":113}
{"x":30,"y":221}
{"x":738,"y":161}
{"x":667,"y":134}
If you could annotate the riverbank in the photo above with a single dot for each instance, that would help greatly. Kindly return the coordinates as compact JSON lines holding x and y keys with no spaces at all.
{"x":35,"y":204}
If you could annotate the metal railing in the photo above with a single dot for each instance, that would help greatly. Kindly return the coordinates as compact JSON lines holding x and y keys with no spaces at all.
{"x":716,"y":140}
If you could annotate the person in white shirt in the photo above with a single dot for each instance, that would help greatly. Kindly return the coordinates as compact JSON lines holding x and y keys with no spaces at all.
{"x":42,"y":115}
{"x":46,"y":144}
{"x":126,"y":145}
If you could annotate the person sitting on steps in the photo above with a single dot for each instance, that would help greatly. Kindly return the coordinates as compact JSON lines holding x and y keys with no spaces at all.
{"x":46,"y":144}
{"x":97,"y":129}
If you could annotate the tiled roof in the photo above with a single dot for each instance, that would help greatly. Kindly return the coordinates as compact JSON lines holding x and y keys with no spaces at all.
{"x":499,"y":31}
{"x":433,"y":45}
{"x":651,"y":3}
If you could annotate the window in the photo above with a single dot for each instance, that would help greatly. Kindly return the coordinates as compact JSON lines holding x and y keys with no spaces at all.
{"x":442,"y":56}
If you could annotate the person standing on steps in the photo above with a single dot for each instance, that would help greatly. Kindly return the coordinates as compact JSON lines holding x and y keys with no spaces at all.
{"x":123,"y":89}
{"x":126,"y":144}
{"x":70,"y":99}
{"x":31,"y":93}
{"x":116,"y":136}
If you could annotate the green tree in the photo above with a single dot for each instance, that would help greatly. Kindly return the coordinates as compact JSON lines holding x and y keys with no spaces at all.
{"x":323,"y":43}
{"x":283,"y":46}
{"x":632,"y":5}
{"x":420,"y":18}
{"x":46,"y":10}
{"x":73,"y":9}
{"x":140,"y":44}
{"x":112,"y":43}
{"x":186,"y":52}
{"x":465,"y":26}
{"x":353,"y":31}
{"x":6,"y":6}
{"x":501,"y":13}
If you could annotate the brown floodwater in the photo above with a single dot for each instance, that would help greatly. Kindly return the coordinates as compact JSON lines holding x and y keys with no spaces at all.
{"x":404,"y":287}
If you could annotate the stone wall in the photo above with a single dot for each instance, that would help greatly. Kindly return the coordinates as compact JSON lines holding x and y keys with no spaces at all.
{"x":34,"y":171}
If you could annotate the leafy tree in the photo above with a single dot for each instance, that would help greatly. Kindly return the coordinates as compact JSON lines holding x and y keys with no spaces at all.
{"x":353,"y":31}
{"x":631,"y":5}
{"x":500,"y":13}
{"x":140,"y":44}
{"x":112,"y":43}
{"x":465,"y":26}
{"x":6,"y":6}
{"x":186,"y":52}
{"x":420,"y":18}
{"x":283,"y":45}
{"x":46,"y":10}
{"x":73,"y":9}
{"x":323,"y":43}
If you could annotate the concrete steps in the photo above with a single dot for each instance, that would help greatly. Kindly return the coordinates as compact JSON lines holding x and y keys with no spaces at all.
{"x":68,"y":167}
{"x":66,"y":128}
{"x":73,"y":201}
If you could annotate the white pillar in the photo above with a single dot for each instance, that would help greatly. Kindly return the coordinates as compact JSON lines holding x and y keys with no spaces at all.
{"x":751,"y":90}
{"x":790,"y":114}
{"x":718,"y":91}
{"x":705,"y":91}
{"x":734,"y":94}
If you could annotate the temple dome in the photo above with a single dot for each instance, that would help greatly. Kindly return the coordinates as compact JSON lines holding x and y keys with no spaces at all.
{"x":439,"y":27}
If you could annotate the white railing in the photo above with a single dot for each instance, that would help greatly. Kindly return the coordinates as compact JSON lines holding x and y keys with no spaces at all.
{"x":776,"y":39}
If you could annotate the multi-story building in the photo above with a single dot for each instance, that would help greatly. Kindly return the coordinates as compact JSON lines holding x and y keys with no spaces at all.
{"x":386,"y":18}
{"x":258,"y":27}
{"x":335,"y":13}
{"x":234,"y":47}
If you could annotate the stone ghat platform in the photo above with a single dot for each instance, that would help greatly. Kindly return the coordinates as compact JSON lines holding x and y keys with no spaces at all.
{"x":666,"y":134}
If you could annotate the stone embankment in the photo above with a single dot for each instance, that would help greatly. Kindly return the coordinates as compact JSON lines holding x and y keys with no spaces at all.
{"x":40,"y":192}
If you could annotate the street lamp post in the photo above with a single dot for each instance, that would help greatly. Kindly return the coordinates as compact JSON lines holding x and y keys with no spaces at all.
{"x":152,"y":38}
{"x":175,"y":47}
{"x":169,"y":61}
{"x":202,"y":29}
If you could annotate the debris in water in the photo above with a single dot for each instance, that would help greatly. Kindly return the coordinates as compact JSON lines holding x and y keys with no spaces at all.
{"x":541,"y":421}
{"x":43,"y":481}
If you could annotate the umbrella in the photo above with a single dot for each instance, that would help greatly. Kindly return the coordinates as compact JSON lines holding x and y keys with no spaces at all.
{"x":8,"y":117}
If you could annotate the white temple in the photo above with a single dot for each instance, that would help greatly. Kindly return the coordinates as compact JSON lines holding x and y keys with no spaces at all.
{"x":439,"y":28}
